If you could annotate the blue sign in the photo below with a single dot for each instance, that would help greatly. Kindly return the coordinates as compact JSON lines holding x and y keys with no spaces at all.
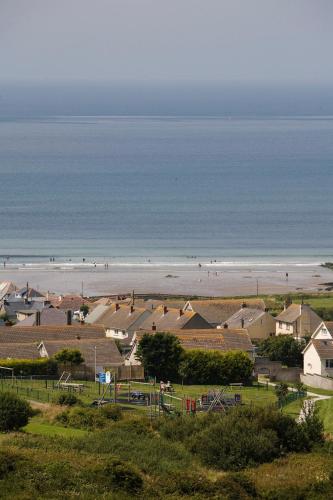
{"x":102,"y":377}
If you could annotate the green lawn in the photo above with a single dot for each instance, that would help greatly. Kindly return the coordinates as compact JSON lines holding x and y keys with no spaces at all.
{"x":36,"y":426}
{"x":326,"y":413}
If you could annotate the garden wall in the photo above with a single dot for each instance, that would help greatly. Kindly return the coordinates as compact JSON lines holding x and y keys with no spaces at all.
{"x":317,"y":381}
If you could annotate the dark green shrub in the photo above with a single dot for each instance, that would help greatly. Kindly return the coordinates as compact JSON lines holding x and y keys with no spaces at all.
{"x":26,"y":367}
{"x":7,"y":463}
{"x":111,"y":412}
{"x":235,"y":487}
{"x":14,"y":412}
{"x":160,"y":355}
{"x":67,"y":400}
{"x":247,"y":436}
{"x":82,"y":418}
{"x":215,"y":367}
{"x":282,"y":348}
{"x":122,"y":475}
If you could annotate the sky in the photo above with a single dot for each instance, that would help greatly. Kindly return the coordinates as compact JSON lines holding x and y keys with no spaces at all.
{"x":167,"y":40}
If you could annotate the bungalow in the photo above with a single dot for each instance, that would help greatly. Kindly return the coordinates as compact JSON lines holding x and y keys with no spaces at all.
{"x":119,"y":320}
{"x":208,"y":339}
{"x":298,"y":320}
{"x":258,"y":323}
{"x":45,"y":317}
{"x":97,"y":353}
{"x":218,"y":311}
{"x":166,"y":319}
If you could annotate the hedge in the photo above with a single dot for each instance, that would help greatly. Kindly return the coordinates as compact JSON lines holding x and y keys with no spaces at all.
{"x":24,"y":367}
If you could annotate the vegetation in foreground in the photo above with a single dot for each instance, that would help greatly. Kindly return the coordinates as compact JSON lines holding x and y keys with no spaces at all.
{"x":207,"y":456}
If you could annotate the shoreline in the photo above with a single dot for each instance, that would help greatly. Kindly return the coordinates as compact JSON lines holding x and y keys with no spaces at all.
{"x":208,"y":280}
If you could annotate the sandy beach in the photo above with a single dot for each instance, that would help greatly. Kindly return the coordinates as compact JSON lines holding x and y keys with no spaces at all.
{"x":186,"y":280}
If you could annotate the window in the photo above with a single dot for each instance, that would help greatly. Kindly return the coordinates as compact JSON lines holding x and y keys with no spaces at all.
{"x":280,"y":324}
{"x":329,"y":363}
{"x":287,"y":326}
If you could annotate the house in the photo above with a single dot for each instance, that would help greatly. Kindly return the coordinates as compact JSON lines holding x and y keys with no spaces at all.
{"x":258,"y":323}
{"x":18,"y":309}
{"x":45,"y":317}
{"x":165,"y":319}
{"x":6,"y":289}
{"x":318,"y":354}
{"x":30,"y":334}
{"x":208,"y":339}
{"x":218,"y":311}
{"x":27,"y":293}
{"x":119,"y":320}
{"x":324,"y":331}
{"x":298,"y":320}
{"x":12,"y":350}
{"x":103,"y":352}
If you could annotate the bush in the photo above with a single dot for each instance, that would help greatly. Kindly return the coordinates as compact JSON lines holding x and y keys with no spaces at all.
{"x":123,"y":475}
{"x":283,"y":348}
{"x":82,"y":418}
{"x":27,"y":367}
{"x":7,"y":463}
{"x":14,"y":412}
{"x":67,"y":400}
{"x":215,"y":367}
{"x":248,"y":436}
{"x":111,"y":412}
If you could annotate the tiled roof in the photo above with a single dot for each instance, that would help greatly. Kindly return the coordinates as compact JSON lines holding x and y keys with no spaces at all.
{"x":291,"y":314}
{"x":247,"y":315}
{"x":72,"y":302}
{"x":6,"y":288}
{"x":30,"y":334}
{"x":166,"y":319}
{"x":96,"y":313}
{"x":19,"y":351}
{"x":49,"y":316}
{"x":106,"y":350}
{"x":218,"y":311}
{"x":122,"y":317}
{"x":324,"y":348}
{"x":222,"y":339}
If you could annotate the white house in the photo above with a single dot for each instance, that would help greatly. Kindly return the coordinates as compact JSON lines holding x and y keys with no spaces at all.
{"x":318,"y":354}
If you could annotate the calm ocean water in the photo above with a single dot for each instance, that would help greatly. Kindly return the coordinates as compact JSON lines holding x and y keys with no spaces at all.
{"x":167,"y":189}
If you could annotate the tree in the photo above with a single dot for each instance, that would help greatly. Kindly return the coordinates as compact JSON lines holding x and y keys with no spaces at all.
{"x":283,"y":348}
{"x":84,"y":309}
{"x":69,"y":356}
{"x":14,"y":412}
{"x":160,"y":355}
{"x":215,"y":367}
{"x":281,"y":391}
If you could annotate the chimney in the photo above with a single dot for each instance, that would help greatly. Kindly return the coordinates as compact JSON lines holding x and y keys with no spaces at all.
{"x":132,"y":309}
{"x":242,"y":322}
{"x":181,"y":312}
{"x":165,"y":310}
{"x":69,"y":317}
{"x":225,"y":326}
{"x":117,"y":307}
{"x":38,"y":318}
{"x":153,"y":327}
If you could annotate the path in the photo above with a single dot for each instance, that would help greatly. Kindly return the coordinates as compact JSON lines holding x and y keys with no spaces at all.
{"x":308,"y":404}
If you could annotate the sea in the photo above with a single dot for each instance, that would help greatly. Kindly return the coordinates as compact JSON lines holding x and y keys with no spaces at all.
{"x":226,"y":189}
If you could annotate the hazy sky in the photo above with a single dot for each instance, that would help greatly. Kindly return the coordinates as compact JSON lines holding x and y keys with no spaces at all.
{"x":256,"y":40}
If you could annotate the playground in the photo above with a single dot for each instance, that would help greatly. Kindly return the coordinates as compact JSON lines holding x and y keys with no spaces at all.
{"x":141,"y":396}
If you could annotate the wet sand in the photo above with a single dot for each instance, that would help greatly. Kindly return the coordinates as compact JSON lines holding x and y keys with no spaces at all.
{"x":180,"y":280}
